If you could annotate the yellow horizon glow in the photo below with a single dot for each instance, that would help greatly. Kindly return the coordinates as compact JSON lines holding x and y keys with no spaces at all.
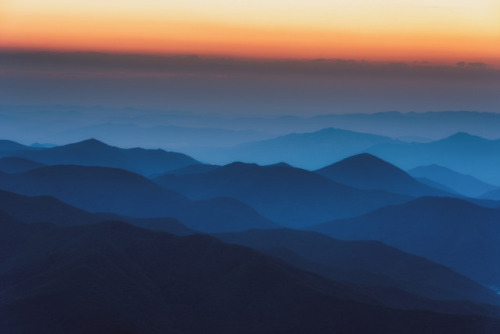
{"x":358,"y":29}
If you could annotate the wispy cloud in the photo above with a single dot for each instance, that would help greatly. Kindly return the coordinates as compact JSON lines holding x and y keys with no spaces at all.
{"x":245,"y":86}
{"x":158,"y":65}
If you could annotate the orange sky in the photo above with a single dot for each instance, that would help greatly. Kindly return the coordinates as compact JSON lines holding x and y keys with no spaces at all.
{"x":436,"y":30}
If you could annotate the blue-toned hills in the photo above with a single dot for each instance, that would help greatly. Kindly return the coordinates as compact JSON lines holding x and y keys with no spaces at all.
{"x":463,"y":184}
{"x":453,"y":232}
{"x":366,"y":171}
{"x":289,"y":196}
{"x":92,"y":152}
{"x":115,"y":278}
{"x":103,"y":189}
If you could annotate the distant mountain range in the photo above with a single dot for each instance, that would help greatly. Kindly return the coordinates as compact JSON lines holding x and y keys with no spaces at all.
{"x":306,"y":150}
{"x":95,"y":153}
{"x":461,"y":152}
{"x":290,"y":196}
{"x":103,"y":189}
{"x":115,"y":278}
{"x":168,"y":136}
{"x":23,"y":123}
{"x":463,"y":184}
{"x":453,"y":232}
{"x":464,"y":153}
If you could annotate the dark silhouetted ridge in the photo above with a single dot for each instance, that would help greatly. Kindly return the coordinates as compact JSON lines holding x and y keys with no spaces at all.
{"x":114,"y":278}
{"x":369,"y":263}
{"x":450,"y":231}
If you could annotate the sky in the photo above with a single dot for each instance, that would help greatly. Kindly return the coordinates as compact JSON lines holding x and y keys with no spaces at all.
{"x":251,"y":57}
{"x":357,"y":29}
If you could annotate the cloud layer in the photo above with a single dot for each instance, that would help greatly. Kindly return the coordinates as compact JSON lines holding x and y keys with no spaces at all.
{"x":245,"y":86}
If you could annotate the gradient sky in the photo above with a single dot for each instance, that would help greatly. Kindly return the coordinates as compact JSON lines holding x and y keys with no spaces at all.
{"x":267,"y":57}
{"x":438,"y":30}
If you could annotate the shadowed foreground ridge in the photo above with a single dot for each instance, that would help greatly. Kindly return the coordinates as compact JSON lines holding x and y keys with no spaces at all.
{"x":115,"y":278}
{"x":450,"y":231}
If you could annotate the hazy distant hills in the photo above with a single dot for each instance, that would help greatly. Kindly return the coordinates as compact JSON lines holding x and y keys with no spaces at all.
{"x":456,"y":233}
{"x":289,"y":196}
{"x":95,"y":153}
{"x":306,"y":150}
{"x":461,"y":152}
{"x":114,"y":278}
{"x":432,"y":124}
{"x":102,"y":189}
{"x":368,"y":263}
{"x":168,"y":136}
{"x":366,"y":171}
{"x":464,"y":184}
{"x":24,"y":124}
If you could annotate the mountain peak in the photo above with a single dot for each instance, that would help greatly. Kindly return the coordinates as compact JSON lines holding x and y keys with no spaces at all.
{"x":364,"y":158}
{"x":367,"y":171}
{"x":280,"y":164}
{"x":463,"y":136}
{"x":92,"y":142}
{"x":239,"y":164}
{"x":363,"y":161}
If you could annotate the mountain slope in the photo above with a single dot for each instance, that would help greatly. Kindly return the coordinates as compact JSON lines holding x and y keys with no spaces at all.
{"x":17,"y":165}
{"x":463,"y":184}
{"x":136,"y":281}
{"x":42,"y":209}
{"x":366,"y":262}
{"x":95,"y":153}
{"x":456,"y":233}
{"x":464,"y":153}
{"x":366,"y":171}
{"x":492,"y":195}
{"x":289,"y":196}
{"x":305,"y":150}
{"x":102,"y":189}
{"x":193,"y":169}
{"x":7,"y":146}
